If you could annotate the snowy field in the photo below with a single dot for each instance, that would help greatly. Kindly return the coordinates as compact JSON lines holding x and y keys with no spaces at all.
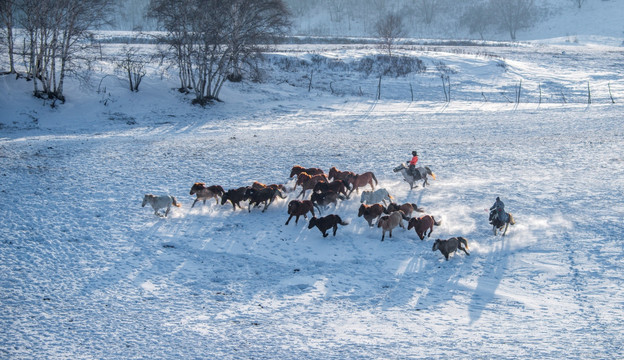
{"x":86,"y":273}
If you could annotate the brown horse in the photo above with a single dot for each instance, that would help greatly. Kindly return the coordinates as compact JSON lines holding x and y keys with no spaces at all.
{"x":421,"y":225}
{"x":339,"y":175}
{"x":371,"y":212}
{"x":359,"y":180}
{"x":259,"y":186}
{"x":300,"y":207}
{"x":308,"y":182}
{"x":204,"y":193}
{"x":296,"y":170}
{"x":407,"y":208}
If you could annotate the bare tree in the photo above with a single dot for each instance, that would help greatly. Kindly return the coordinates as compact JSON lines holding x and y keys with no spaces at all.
{"x":56,"y":32}
{"x":133,"y":65}
{"x":209,"y":38}
{"x":253,"y":23}
{"x":7,"y":20}
{"x":514,"y":15}
{"x":389,"y":28}
{"x":477,"y":18}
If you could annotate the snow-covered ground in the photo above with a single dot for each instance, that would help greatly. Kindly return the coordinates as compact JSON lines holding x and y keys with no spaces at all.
{"x":86,"y":273}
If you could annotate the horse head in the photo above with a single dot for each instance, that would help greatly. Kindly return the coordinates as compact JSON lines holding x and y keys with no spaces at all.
{"x":145,"y":199}
{"x":399,"y":168}
{"x":436,"y":244}
{"x":196,"y":187}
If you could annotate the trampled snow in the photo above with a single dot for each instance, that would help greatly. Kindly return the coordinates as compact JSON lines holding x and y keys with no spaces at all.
{"x":87,"y":273}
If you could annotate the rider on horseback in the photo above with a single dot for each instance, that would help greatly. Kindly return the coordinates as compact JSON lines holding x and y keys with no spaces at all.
{"x":498,"y":210}
{"x":412,"y":163}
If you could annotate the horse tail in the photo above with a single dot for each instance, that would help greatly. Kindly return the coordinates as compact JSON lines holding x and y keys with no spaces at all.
{"x":374,"y":178}
{"x":433,"y":176}
{"x":511,"y":219}
{"x":175,"y":202}
{"x":341,"y":222}
{"x":416,"y":208}
{"x":436,"y":223}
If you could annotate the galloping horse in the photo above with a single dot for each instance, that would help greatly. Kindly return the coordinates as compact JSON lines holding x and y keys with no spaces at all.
{"x":296,"y":170}
{"x":421,"y":174}
{"x":206,"y":192}
{"x":339,"y":175}
{"x":360,"y":180}
{"x":497,"y":224}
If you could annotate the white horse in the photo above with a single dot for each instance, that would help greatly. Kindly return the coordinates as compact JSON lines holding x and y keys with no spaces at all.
{"x":421,"y":174}
{"x":374,"y":197}
{"x":160,"y":202}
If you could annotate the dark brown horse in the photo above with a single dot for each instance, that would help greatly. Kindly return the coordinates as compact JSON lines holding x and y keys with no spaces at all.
{"x":451,"y":245}
{"x":266,"y":195}
{"x":422,"y":224}
{"x":371,"y":212}
{"x":326,"y":198}
{"x":204,"y":193}
{"x":339,"y":175}
{"x":235,"y":196}
{"x":300,"y":207}
{"x":359,"y":180}
{"x":327,"y":222}
{"x":339,"y":186}
{"x":296,"y":170}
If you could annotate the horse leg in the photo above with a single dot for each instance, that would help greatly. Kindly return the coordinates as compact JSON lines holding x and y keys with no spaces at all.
{"x":290,"y":217}
{"x":194,"y":203}
{"x":371,"y":184}
{"x":302,"y":193}
{"x":494,"y":229}
{"x":335,"y":229}
{"x":506,"y":226}
{"x":167,"y":211}
{"x":430,"y":231}
{"x":383,"y":235}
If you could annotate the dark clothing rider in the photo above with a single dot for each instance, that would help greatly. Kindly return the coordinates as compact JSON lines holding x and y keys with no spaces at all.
{"x":498,"y":210}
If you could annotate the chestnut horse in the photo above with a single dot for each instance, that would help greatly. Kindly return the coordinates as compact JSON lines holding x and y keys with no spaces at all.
{"x":360,"y":180}
{"x":300,"y":207}
{"x":204,"y":193}
{"x":296,"y":170}
{"x":339,"y":175}
{"x":371,"y":212}
{"x":407,"y":208}
{"x":421,"y":225}
{"x":308,"y":182}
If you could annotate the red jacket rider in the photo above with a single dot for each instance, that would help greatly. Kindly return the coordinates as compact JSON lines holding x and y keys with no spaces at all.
{"x":414,"y":158}
{"x":412,"y":163}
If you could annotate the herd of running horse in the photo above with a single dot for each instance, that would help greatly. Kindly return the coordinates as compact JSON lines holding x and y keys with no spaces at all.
{"x":377,"y":207}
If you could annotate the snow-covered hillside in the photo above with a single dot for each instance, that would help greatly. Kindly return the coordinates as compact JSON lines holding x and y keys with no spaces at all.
{"x":86,"y":273}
